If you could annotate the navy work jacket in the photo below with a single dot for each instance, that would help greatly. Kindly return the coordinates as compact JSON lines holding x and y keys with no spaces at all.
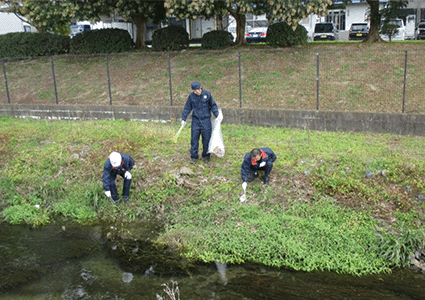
{"x":109,"y":172}
{"x":249,"y":165}
{"x":201,"y":105}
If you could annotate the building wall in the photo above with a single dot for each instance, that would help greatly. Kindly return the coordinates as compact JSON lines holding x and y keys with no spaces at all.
{"x":11,"y":23}
{"x":356,"y":14}
{"x":419,"y":6}
{"x":200,"y":26}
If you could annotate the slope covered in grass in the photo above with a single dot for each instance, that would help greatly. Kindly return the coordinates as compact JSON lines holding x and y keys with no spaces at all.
{"x":345,"y":202}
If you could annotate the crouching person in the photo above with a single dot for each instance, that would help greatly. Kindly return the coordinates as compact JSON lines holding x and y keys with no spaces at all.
{"x":117,"y":164}
{"x":257,"y":159}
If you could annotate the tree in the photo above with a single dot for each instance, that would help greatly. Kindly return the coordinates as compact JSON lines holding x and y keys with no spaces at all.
{"x":191,"y":9}
{"x":293,"y":11}
{"x":140,"y":12}
{"x":389,"y":29}
{"x":375,"y":20}
{"x":56,"y":16}
{"x":45,"y":16}
{"x":377,"y":15}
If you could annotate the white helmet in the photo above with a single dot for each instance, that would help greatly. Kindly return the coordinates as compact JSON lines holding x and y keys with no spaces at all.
{"x":115,"y":159}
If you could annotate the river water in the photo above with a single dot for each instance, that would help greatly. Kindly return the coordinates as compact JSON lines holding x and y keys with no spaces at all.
{"x":77,"y":262}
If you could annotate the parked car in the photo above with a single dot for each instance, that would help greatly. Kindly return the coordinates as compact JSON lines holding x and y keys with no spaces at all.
{"x":325,"y":32}
{"x":76,"y":29}
{"x":358,"y":31}
{"x":420,"y":30}
{"x":400,"y":35}
{"x":232,"y":30}
{"x":256,"y":35}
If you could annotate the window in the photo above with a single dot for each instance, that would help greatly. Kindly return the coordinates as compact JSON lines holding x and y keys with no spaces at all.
{"x":253,"y":21}
{"x":337,"y":17}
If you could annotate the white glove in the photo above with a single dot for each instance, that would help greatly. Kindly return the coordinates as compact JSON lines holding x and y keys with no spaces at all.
{"x":127,"y":175}
{"x":243,"y":198}
{"x":244,"y":184}
{"x":262,"y":164}
{"x":220,"y":116}
{"x":183,"y":123}
{"x":108,"y":194}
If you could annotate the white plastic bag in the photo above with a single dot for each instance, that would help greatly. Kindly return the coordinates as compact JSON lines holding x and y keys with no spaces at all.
{"x":216,"y":145}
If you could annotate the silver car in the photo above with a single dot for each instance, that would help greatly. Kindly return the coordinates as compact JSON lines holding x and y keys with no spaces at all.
{"x":325,"y":32}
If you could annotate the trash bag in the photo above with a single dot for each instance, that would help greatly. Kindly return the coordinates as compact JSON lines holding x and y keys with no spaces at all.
{"x":216,"y":145}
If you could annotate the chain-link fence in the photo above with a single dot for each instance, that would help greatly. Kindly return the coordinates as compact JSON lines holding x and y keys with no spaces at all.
{"x":358,"y":78}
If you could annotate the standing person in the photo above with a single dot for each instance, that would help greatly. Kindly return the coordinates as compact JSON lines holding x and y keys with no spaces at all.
{"x":257,"y":159}
{"x":202,"y":104}
{"x":117,"y":164}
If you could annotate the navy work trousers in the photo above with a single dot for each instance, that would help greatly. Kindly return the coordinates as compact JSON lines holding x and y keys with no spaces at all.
{"x":200,"y":127}
{"x":125,"y":188}
{"x":267,"y":169}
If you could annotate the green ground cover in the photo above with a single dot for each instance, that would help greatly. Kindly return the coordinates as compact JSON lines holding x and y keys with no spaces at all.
{"x":322,"y":211}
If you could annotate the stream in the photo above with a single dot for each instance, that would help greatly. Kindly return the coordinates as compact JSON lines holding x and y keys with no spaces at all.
{"x":70,"y":261}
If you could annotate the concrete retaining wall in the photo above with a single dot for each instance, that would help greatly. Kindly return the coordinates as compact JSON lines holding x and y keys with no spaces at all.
{"x":412,"y":124}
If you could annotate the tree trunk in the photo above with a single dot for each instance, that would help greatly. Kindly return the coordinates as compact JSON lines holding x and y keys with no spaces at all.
{"x":240,"y":28}
{"x":375,"y":20}
{"x":140,"y":31}
{"x":219,"y":18}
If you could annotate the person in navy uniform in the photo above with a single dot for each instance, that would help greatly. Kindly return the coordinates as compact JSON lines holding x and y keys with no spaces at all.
{"x":201,"y":104}
{"x":257,"y":159}
{"x":117,"y":164}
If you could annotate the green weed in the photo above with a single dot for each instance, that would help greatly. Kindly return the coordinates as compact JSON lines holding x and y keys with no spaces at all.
{"x":74,"y":210}
{"x":319,"y":237}
{"x":321,"y":211}
{"x":397,"y":248}
{"x":26,"y":214}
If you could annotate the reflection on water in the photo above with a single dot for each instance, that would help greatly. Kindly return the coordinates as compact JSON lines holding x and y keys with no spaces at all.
{"x":127,"y":277}
{"x":76,"y":263}
{"x":221,"y":267}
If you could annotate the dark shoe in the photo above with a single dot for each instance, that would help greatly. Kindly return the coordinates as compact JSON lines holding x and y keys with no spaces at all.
{"x":193,"y":160}
{"x":266,"y":181}
{"x":126,"y":200}
{"x":206,"y":160}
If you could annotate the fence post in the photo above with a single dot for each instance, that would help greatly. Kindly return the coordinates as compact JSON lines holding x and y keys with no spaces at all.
{"x":317,"y":82}
{"x":240,"y":80}
{"x":169,"y":79}
{"x":5,"y":81}
{"x":54,"y":80}
{"x":109,"y":79}
{"x":404,"y":84}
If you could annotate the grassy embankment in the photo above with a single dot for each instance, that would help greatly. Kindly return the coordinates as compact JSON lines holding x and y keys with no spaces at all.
{"x":320,"y":212}
{"x":353,"y":77}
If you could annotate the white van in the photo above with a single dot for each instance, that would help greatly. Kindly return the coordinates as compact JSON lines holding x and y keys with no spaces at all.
{"x":400,"y":35}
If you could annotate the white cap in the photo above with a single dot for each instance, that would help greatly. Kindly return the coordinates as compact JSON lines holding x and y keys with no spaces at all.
{"x":115,"y":159}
